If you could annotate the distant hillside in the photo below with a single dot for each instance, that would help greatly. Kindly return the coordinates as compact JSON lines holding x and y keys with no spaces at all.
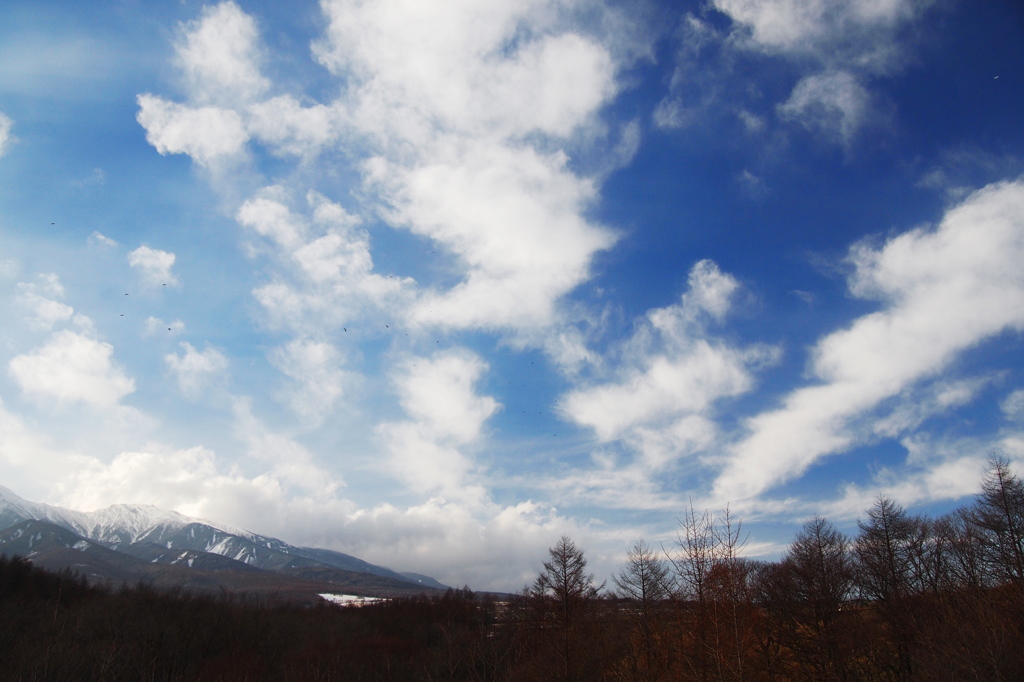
{"x":130,"y":543}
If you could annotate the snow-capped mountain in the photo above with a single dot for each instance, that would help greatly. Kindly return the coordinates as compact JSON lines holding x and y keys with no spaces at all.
{"x":154,"y":535}
{"x":118,"y":523}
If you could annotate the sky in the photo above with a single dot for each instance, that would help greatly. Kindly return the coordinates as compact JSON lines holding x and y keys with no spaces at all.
{"x":433,"y":283}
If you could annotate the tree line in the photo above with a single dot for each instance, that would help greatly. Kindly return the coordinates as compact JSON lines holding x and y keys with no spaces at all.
{"x":909,"y":597}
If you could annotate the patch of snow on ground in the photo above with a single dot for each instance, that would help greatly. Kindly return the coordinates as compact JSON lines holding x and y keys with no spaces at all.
{"x":350,"y":599}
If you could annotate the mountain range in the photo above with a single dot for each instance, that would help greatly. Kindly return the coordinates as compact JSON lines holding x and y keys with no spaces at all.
{"x":131,"y":543}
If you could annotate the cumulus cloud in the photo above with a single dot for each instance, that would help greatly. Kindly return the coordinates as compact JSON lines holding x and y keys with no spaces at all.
{"x":41,"y":299}
{"x":514,"y":219}
{"x":219,"y":56}
{"x":204,"y":133}
{"x":324,"y":270}
{"x":153,"y":265}
{"x":195,"y":369}
{"x":942,"y":291}
{"x":315,"y":368}
{"x":459,"y":114}
{"x":673,"y":373}
{"x":290,"y":129}
{"x":438,"y":393}
{"x":454,"y":64}
{"x":72,"y":368}
{"x":5,"y":133}
{"x":450,"y":107}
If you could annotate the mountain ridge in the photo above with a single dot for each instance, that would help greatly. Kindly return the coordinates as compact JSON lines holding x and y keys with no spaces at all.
{"x":144,"y":532}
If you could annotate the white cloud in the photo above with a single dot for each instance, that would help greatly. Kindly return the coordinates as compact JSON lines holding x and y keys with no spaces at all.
{"x":5,"y":133}
{"x":453,"y":63}
{"x":291,"y":463}
{"x":1013,"y":405}
{"x":219,"y":56}
{"x":449,"y":105}
{"x":833,"y":104}
{"x":916,"y":404}
{"x":99,"y":239}
{"x":324,"y":271}
{"x":70,"y":368}
{"x":195,"y":369}
{"x":861,"y":32}
{"x":290,"y":129}
{"x":154,"y":325}
{"x":153,"y":265}
{"x":490,"y":548}
{"x":25,"y":455}
{"x":438,"y":393}
{"x":838,"y":46}
{"x":205,"y":133}
{"x":459,"y":113}
{"x":191,"y":481}
{"x":315,"y":368}
{"x":673,"y":372}
{"x":40,"y":298}
{"x":943,"y":291}
{"x":513,"y":217}
{"x":934,"y":471}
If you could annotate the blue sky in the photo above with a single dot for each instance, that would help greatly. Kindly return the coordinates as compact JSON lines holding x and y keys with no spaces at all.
{"x":433,"y":283}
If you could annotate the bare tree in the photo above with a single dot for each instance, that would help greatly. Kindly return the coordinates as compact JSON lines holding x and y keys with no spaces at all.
{"x":999,"y":514}
{"x":563,"y":591}
{"x":887,"y":573}
{"x":714,"y":595}
{"x":644,"y":581}
{"x":821,"y":573}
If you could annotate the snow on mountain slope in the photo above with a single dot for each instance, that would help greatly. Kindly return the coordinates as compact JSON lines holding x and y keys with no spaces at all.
{"x":129,"y":527}
{"x":116,"y":524}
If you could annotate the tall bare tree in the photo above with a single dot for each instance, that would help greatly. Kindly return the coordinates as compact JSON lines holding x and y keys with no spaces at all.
{"x":714,"y":596}
{"x":821,"y":581}
{"x":563,"y":591}
{"x":644,"y":581}
{"x":886,"y":573}
{"x":999,"y":514}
